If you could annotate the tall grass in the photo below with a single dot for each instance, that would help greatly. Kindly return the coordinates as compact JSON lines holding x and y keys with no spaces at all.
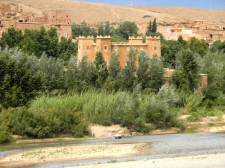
{"x":93,"y":105}
{"x":101,"y":107}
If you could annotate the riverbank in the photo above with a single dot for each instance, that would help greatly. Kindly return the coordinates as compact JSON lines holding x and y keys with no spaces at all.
{"x":70,"y":153}
{"x":201,"y":161}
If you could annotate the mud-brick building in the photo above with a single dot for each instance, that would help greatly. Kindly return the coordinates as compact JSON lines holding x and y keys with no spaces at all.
{"x":15,"y":17}
{"x":87,"y":46}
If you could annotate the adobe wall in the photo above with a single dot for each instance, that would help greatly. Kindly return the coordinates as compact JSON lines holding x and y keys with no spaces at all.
{"x":104,"y":44}
{"x":87,"y":47}
{"x":62,"y":30}
{"x":58,"y":16}
{"x":28,"y":25}
{"x":154,"y":46}
{"x":5,"y":8}
{"x":124,"y":49}
{"x":8,"y":23}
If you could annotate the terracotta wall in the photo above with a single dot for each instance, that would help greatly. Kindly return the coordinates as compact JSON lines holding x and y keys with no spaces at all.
{"x":28,"y":25}
{"x":124,"y":50}
{"x":104,"y":44}
{"x":86,"y":46}
{"x":5,"y":8}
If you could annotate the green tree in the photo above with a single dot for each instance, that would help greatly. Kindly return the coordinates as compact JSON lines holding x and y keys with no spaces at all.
{"x":67,"y":49}
{"x":126,"y":29}
{"x":156,"y":74}
{"x":214,"y":65}
{"x":11,"y":38}
{"x":218,"y":46}
{"x":149,"y":28}
{"x":102,"y":71}
{"x":127,"y":76}
{"x":169,"y":50}
{"x":198,"y":46}
{"x":114,"y":71}
{"x":187,"y":72}
{"x":154,"y":26}
{"x":87,"y":74}
{"x":52,"y":49}
{"x":142,"y":71}
{"x":108,"y":29}
{"x":18,"y":82}
{"x":28,"y":44}
{"x":82,"y":29}
{"x":101,"y":31}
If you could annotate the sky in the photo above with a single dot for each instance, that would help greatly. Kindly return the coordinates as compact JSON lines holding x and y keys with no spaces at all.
{"x":205,"y":4}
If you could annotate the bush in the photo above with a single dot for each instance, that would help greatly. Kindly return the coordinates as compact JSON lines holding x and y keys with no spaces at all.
{"x":22,"y":121}
{"x":4,"y":135}
{"x":139,"y":125}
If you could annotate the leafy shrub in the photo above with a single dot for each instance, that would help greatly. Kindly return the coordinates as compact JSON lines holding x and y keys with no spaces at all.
{"x":4,"y":134}
{"x":22,"y":121}
{"x":139,"y":125}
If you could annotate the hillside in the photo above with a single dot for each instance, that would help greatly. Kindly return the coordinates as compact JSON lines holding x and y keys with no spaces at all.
{"x":94,"y":13}
{"x":209,"y":16}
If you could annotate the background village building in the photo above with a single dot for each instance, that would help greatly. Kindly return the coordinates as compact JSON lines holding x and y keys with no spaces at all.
{"x":87,"y":46}
{"x":59,"y":19}
{"x":198,"y":29}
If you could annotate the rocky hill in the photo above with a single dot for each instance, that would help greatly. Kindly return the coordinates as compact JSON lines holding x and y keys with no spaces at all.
{"x":94,"y":13}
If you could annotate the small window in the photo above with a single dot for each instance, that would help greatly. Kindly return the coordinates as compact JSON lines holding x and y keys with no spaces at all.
{"x":155,"y":48}
{"x":88,"y":48}
{"x":79,"y":47}
{"x":105,"y":48}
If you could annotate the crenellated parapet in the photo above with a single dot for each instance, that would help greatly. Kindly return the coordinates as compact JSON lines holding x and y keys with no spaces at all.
{"x":155,"y":37}
{"x":103,"y":37}
{"x":85,"y":38}
{"x":133,"y":37}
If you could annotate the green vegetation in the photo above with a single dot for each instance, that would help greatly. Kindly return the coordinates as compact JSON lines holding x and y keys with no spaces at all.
{"x":39,"y":42}
{"x":120,"y":33}
{"x":46,"y":92}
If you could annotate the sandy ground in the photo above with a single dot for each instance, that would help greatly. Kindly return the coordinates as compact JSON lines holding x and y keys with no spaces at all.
{"x":202,"y":161}
{"x":79,"y":152}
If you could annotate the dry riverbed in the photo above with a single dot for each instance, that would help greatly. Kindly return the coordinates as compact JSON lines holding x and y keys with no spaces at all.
{"x":78,"y":152}
{"x":201,"y":161}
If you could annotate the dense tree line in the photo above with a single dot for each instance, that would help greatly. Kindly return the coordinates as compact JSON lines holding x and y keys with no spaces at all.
{"x":121,"y":33}
{"x":38,"y":42}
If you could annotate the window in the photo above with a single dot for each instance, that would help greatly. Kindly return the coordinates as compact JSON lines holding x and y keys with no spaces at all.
{"x":88,"y":47}
{"x":155,"y":48}
{"x":79,"y":47}
{"x":97,"y":48}
{"x":105,"y":48}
